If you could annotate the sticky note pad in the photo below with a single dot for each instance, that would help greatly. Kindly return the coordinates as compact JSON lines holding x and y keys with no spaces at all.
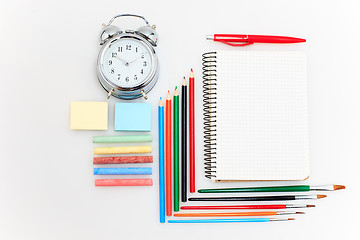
{"x":132,"y":117}
{"x":89,"y":115}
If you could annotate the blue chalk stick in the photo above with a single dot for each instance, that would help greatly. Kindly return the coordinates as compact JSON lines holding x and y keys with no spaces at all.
{"x":123,"y":171}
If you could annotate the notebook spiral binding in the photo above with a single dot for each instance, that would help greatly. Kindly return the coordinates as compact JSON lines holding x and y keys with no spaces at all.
{"x":209,"y":99}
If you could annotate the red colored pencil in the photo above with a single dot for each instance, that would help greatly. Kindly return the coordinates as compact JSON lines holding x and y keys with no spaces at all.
{"x":168,"y":156}
{"x":192,"y":130}
{"x":273,"y":206}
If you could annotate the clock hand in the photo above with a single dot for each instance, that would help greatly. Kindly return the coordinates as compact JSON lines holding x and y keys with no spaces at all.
{"x":136,"y":58}
{"x":125,"y":62}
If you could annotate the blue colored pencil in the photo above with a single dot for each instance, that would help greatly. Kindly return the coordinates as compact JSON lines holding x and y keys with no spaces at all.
{"x":161,"y":162}
{"x":227,"y":220}
{"x":123,"y":171}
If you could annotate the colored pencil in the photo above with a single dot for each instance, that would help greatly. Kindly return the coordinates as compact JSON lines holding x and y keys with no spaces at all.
{"x":273,"y":206}
{"x":229,"y":220}
{"x":192,"y":130}
{"x":235,"y":214}
{"x":176,"y":150}
{"x":168,"y":157}
{"x":184,"y":141}
{"x":123,"y":160}
{"x":161,"y":162}
{"x":260,"y":198}
{"x":295,"y":188}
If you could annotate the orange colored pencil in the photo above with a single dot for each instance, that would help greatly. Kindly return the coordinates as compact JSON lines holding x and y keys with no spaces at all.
{"x":168,"y":156}
{"x":233,"y":214}
{"x":192,"y":130}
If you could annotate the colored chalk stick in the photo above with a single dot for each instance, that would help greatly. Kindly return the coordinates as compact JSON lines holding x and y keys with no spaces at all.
{"x":124,"y":182}
{"x":122,"y":139}
{"x":122,"y":150}
{"x":123,"y":171}
{"x":123,"y":160}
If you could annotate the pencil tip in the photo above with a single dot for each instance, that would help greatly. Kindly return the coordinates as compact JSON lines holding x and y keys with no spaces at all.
{"x":300,"y":212}
{"x":175,"y":87}
{"x":191,"y":74}
{"x":338,"y":187}
{"x":160,"y":98}
{"x":291,"y":218}
{"x":184,"y":82}
{"x":321,"y":196}
{"x":310,"y":205}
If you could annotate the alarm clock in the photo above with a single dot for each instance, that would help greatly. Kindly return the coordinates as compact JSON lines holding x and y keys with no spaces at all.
{"x":127,"y":64}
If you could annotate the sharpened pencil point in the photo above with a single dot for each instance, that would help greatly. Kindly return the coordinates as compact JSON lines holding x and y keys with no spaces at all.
{"x":184,"y":82}
{"x":338,"y":187}
{"x":310,"y":205}
{"x":321,"y":196}
{"x":191,"y":74}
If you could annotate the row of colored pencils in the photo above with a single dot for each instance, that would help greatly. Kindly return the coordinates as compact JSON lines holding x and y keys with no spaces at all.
{"x":165,"y":161}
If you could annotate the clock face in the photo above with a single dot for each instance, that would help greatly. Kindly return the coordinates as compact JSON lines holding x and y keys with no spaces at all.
{"x":126,"y":62}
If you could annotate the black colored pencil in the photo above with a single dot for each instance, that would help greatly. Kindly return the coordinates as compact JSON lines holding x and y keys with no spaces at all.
{"x":184,"y":141}
{"x":259,"y":198}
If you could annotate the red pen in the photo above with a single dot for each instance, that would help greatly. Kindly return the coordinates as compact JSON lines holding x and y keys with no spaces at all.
{"x":233,"y":39}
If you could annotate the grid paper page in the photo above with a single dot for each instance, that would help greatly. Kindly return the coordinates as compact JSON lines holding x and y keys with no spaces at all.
{"x":262,"y":116}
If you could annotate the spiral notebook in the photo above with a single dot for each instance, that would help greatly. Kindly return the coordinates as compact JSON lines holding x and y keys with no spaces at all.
{"x":255,"y":115}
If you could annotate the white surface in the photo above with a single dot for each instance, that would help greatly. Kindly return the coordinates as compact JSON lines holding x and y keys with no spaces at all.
{"x":48,"y":55}
{"x":261,"y":102}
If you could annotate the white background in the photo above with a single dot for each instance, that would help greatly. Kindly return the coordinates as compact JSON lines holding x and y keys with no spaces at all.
{"x":48,"y":52}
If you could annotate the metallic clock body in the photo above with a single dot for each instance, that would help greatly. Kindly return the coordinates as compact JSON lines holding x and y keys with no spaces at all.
{"x":145,"y":36}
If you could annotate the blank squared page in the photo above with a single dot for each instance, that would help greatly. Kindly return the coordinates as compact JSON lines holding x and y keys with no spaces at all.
{"x":262,"y":116}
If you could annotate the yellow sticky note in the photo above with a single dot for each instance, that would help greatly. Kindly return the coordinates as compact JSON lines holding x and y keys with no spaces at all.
{"x":89,"y":115}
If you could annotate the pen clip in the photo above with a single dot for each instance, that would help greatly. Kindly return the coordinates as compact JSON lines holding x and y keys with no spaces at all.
{"x":235,"y":44}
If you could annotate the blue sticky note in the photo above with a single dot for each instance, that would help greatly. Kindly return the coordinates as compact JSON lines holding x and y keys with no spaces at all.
{"x":132,"y":117}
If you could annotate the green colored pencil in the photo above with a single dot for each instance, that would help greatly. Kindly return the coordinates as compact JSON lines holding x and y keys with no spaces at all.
{"x":176,"y":150}
{"x":295,"y":188}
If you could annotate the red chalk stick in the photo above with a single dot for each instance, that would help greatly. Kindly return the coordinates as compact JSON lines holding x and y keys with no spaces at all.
{"x":120,"y":160}
{"x":124,"y":182}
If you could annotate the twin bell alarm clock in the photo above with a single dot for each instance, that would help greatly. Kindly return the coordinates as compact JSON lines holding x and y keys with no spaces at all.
{"x":127,"y":64}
